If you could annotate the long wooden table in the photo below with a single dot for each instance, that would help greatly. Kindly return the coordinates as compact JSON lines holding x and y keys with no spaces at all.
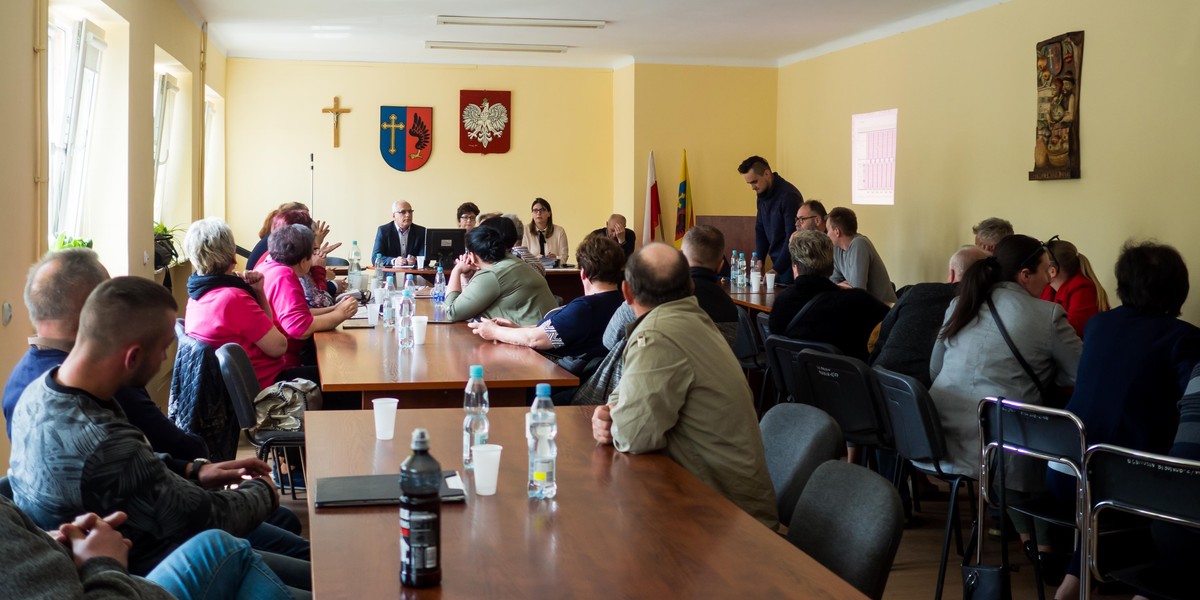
{"x":432,"y":375}
{"x":761,"y":300}
{"x":564,"y":283}
{"x":622,"y":526}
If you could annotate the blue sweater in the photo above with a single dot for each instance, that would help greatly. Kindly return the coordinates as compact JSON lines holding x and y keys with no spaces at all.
{"x":141,"y":411}
{"x":774,"y":225}
{"x":1132,"y":373}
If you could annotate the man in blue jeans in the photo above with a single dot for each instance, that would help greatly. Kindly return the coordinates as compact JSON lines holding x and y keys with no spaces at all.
{"x":89,"y":556}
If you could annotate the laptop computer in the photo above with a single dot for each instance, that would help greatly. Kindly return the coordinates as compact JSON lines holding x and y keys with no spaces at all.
{"x":376,"y":490}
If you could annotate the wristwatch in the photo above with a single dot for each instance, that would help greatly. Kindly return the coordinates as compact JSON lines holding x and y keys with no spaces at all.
{"x":196,"y":464}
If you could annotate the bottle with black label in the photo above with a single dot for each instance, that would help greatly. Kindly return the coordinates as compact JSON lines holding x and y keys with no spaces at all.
{"x":420,"y":516}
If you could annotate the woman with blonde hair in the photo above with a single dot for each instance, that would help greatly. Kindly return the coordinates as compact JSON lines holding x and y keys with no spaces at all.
{"x":1073,"y":284}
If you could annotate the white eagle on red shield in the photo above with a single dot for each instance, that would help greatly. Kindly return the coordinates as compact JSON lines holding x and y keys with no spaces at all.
{"x":484,"y":122}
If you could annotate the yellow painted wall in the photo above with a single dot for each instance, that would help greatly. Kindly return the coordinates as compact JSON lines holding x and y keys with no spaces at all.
{"x":965,"y":93}
{"x":562,"y":145}
{"x":18,"y":72}
{"x":720,"y":115}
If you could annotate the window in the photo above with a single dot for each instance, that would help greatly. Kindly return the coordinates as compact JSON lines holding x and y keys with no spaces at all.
{"x":214,"y":154}
{"x":873,"y":160}
{"x":165,"y":89}
{"x":74,"y":51}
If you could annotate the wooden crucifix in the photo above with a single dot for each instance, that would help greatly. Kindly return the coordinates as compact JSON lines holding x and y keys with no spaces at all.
{"x":337,"y":111}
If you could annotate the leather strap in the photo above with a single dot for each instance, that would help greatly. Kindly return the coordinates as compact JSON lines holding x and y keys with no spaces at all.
{"x":1017,"y":353}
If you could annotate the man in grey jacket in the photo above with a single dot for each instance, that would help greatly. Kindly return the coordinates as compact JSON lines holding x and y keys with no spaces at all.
{"x":77,"y":453}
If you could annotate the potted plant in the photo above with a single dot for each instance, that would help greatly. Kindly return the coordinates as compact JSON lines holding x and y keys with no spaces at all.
{"x":165,"y":254}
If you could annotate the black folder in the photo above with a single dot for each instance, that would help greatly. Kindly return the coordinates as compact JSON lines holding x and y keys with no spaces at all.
{"x":372,"y":490}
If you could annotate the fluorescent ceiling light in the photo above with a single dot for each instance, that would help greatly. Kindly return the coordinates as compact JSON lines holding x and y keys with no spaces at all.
{"x":495,"y":47}
{"x":511,"y":22}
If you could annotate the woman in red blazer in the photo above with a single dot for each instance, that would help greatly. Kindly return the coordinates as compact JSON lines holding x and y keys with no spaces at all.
{"x":1073,"y":284}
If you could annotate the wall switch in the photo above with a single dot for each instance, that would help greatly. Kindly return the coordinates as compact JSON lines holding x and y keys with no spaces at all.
{"x":145,"y":258}
{"x":6,"y":313}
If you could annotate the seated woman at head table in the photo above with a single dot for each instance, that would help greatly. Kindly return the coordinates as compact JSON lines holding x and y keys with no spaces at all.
{"x":544,"y":238}
{"x":577,"y":329}
{"x":502,"y":286}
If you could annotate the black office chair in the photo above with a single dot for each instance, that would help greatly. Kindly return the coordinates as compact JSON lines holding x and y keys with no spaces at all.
{"x":782,"y":363}
{"x":746,"y":346}
{"x":1033,"y":432}
{"x":335,"y":261}
{"x":6,"y":488}
{"x":242,"y":383}
{"x":797,"y":439}
{"x":850,"y":520}
{"x":242,"y":252}
{"x":1160,"y":488}
{"x":918,"y":438}
{"x":847,"y":389}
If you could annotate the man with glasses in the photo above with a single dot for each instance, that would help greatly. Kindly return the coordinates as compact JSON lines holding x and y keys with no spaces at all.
{"x":400,"y":241}
{"x":774,"y":224}
{"x":811,"y":216}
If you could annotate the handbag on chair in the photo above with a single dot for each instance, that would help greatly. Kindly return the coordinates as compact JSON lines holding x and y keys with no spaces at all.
{"x":981,"y":582}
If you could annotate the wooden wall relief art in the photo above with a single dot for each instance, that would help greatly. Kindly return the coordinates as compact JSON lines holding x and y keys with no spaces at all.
{"x":1056,"y":143}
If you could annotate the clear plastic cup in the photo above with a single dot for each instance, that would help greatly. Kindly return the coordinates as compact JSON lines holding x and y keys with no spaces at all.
{"x":420,"y":324}
{"x":755,"y":282}
{"x":385,"y":417}
{"x":770,"y":282}
{"x":487,"y":468}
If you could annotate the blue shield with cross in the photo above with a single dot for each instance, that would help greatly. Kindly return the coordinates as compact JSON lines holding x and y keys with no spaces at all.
{"x":405,"y":136}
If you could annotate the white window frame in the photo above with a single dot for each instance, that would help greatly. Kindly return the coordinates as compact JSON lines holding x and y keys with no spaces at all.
{"x":75,"y":53}
{"x":166,"y":90}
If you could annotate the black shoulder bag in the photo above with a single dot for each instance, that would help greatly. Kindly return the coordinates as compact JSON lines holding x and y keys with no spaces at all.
{"x":983,"y":582}
{"x":1051,"y":396}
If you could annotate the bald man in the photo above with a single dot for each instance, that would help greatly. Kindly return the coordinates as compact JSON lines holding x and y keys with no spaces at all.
{"x":910,"y":329}
{"x":400,"y":242}
{"x":682,"y":391}
{"x":615,"y":229}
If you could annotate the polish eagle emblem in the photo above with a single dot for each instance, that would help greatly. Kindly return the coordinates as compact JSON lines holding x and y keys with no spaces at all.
{"x":485,"y":121}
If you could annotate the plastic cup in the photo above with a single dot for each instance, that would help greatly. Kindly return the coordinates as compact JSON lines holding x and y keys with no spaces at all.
{"x":487,"y":468}
{"x":373,"y":313}
{"x":420,"y":262}
{"x":385,"y":417}
{"x":770,"y":281}
{"x":755,"y":282}
{"x":420,"y":324}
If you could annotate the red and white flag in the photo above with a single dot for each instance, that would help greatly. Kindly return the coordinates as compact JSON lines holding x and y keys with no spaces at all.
{"x":652,"y":228}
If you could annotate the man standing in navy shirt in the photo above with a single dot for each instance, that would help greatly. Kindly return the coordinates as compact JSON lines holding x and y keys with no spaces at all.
{"x":778,"y":202}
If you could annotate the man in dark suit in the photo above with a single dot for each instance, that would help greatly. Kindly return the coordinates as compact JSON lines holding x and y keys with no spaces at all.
{"x":615,"y":229}
{"x":400,"y":242}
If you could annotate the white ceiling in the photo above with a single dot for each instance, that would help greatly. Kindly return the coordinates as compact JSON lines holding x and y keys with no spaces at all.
{"x":713,"y":32}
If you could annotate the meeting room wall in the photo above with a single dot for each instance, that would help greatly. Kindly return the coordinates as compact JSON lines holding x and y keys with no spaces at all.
{"x":561,"y":145}
{"x":720,"y":115}
{"x":965,"y":93}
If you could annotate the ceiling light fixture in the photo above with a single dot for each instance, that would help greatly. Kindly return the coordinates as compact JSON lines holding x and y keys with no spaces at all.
{"x":514,"y":22}
{"x":487,"y":47}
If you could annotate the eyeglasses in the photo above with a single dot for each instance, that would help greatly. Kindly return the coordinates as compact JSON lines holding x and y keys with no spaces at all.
{"x":1042,"y":247}
{"x":466,"y":217}
{"x":403,"y":212}
{"x":803,"y":219}
{"x":541,"y":210}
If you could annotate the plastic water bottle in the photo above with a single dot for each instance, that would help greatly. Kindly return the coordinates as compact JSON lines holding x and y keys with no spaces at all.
{"x":475,"y":425}
{"x":734,"y":279}
{"x":541,"y":427}
{"x":410,"y":285}
{"x":439,"y":288}
{"x":379,"y":266}
{"x":420,"y":516}
{"x":355,"y":258}
{"x":742,"y":279}
{"x":388,"y":318}
{"x":408,"y":308}
{"x":755,"y":264}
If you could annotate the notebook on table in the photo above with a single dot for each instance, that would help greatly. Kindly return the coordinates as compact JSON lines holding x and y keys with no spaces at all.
{"x":376,"y":490}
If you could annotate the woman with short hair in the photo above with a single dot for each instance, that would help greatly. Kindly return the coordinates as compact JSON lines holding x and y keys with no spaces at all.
{"x":467,"y":214}
{"x":225,"y":306}
{"x":502,"y":286}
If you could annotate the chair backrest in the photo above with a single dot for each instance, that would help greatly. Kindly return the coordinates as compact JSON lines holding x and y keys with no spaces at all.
{"x":850,"y":519}
{"x":336,"y":261}
{"x":798,"y":438}
{"x":1048,"y":434}
{"x":1150,"y":485}
{"x":240,"y":380}
{"x":916,"y":429}
{"x":782,"y":359}
{"x":847,"y":389}
{"x":6,"y":488}
{"x":746,"y":344}
{"x":763,"y":321}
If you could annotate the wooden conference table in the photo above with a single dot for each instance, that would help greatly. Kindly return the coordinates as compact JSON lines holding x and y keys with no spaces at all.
{"x":564,"y":283}
{"x":434,"y":374}
{"x":622,"y":526}
{"x":761,"y":300}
